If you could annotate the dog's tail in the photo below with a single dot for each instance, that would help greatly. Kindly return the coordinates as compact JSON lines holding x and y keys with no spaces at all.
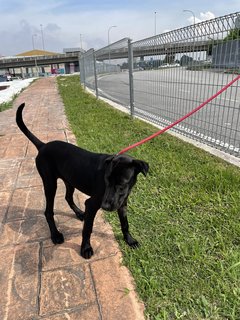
{"x":38,"y":144}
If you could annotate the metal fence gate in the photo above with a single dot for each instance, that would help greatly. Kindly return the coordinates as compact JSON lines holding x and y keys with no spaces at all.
{"x":164,"y":77}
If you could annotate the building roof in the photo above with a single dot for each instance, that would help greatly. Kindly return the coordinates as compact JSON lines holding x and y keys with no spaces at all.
{"x":36,"y":53}
{"x":73,"y":50}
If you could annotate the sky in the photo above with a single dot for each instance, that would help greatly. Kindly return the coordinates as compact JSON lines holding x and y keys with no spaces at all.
{"x":58,"y":24}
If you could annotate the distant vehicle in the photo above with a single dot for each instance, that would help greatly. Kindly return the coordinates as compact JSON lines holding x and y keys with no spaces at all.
{"x":167,"y":65}
{"x":5,"y":77}
{"x":9,"y":77}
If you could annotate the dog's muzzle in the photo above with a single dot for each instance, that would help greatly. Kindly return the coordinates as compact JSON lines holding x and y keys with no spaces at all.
{"x":107,"y":206}
{"x":111,"y":203}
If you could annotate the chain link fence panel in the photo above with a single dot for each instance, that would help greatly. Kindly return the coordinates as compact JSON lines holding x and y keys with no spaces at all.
{"x":164,"y":77}
{"x":112,"y":79}
{"x":182,"y":68}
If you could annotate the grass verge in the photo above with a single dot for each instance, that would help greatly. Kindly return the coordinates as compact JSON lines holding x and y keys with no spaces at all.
{"x":185,"y":214}
{"x":7,"y":105}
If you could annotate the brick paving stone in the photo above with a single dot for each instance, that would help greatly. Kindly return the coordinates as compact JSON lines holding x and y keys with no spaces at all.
{"x":67,"y":254}
{"x":66,"y":288}
{"x":4,"y":204}
{"x":40,"y":280}
{"x":5,"y":142}
{"x":26,"y":203}
{"x":118,"y":299}
{"x":22,"y":231}
{"x":9,"y":169}
{"x":5,"y":280}
{"x":28,"y":175}
{"x":16,"y":147}
{"x":19,"y":282}
{"x":86,"y":312}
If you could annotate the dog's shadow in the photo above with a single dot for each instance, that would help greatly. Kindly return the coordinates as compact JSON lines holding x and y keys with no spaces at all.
{"x":29,"y":226}
{"x":31,"y":223}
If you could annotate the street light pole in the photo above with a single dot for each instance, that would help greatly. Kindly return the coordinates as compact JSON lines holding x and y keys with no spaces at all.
{"x":194,"y":20}
{"x":42,"y":36}
{"x":109,"y":42}
{"x":80,"y":41}
{"x":155,"y":23}
{"x":194,"y":17}
{"x":194,"y":31}
{"x":34,"y":35}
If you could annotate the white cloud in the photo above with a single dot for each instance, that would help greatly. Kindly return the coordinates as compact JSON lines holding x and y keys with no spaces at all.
{"x":203,"y":17}
{"x":64,"y":20}
{"x":207,"y":15}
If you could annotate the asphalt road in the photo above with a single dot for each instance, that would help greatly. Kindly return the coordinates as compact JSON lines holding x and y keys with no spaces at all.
{"x":165,"y":95}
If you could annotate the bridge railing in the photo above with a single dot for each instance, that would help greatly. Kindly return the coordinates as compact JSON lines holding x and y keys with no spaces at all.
{"x":163,"y":77}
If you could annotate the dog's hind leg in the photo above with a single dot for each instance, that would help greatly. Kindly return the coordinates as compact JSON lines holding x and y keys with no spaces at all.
{"x":50,"y":188}
{"x":122,"y":214}
{"x":69,"y":198}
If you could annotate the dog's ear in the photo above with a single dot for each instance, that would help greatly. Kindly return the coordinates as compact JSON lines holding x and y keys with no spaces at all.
{"x":141,"y":166}
{"x":107,"y":164}
{"x":108,"y":160}
{"x":118,"y":159}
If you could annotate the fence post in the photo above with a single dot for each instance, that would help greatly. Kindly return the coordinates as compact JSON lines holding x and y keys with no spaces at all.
{"x":80,"y":62}
{"x":95,"y":73}
{"x":130,"y":70}
{"x":82,"y":69}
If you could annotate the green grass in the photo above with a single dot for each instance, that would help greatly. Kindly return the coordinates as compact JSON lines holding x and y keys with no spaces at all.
{"x":6,"y":105}
{"x":185,"y":214}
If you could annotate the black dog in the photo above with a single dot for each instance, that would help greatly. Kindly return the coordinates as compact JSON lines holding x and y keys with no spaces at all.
{"x":107,"y":179}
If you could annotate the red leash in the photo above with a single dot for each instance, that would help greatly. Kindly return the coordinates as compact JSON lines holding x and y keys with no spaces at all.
{"x":181,"y":119}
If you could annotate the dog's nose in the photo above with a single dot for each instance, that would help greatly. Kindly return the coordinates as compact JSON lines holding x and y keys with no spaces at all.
{"x":107,"y":206}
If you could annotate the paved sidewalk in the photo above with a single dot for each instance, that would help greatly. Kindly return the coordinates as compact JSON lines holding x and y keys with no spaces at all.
{"x":39,"y":280}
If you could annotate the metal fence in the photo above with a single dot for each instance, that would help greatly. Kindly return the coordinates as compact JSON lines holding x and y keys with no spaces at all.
{"x":162,"y":78}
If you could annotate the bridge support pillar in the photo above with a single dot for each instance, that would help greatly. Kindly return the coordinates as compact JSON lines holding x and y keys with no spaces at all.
{"x":141,"y":62}
{"x":27,"y":71}
{"x":67,"y":68}
{"x":76,"y":67}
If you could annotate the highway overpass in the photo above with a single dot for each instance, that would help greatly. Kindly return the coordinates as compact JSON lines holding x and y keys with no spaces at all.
{"x":33,"y":61}
{"x":152,"y":49}
{"x":103,"y":54}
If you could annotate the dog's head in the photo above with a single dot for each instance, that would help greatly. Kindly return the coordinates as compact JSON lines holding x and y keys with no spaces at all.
{"x":120,"y":176}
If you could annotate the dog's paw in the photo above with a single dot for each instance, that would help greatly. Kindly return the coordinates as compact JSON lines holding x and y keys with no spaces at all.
{"x":134,"y":244}
{"x":57,"y":238}
{"x":131,"y":241}
{"x":86,"y":252}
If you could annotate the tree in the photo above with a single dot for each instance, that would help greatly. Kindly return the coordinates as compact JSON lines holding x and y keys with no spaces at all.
{"x":233,"y":35}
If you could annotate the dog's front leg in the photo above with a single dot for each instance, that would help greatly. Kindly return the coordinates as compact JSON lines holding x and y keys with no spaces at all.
{"x":91,"y":208}
{"x":122,"y":214}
